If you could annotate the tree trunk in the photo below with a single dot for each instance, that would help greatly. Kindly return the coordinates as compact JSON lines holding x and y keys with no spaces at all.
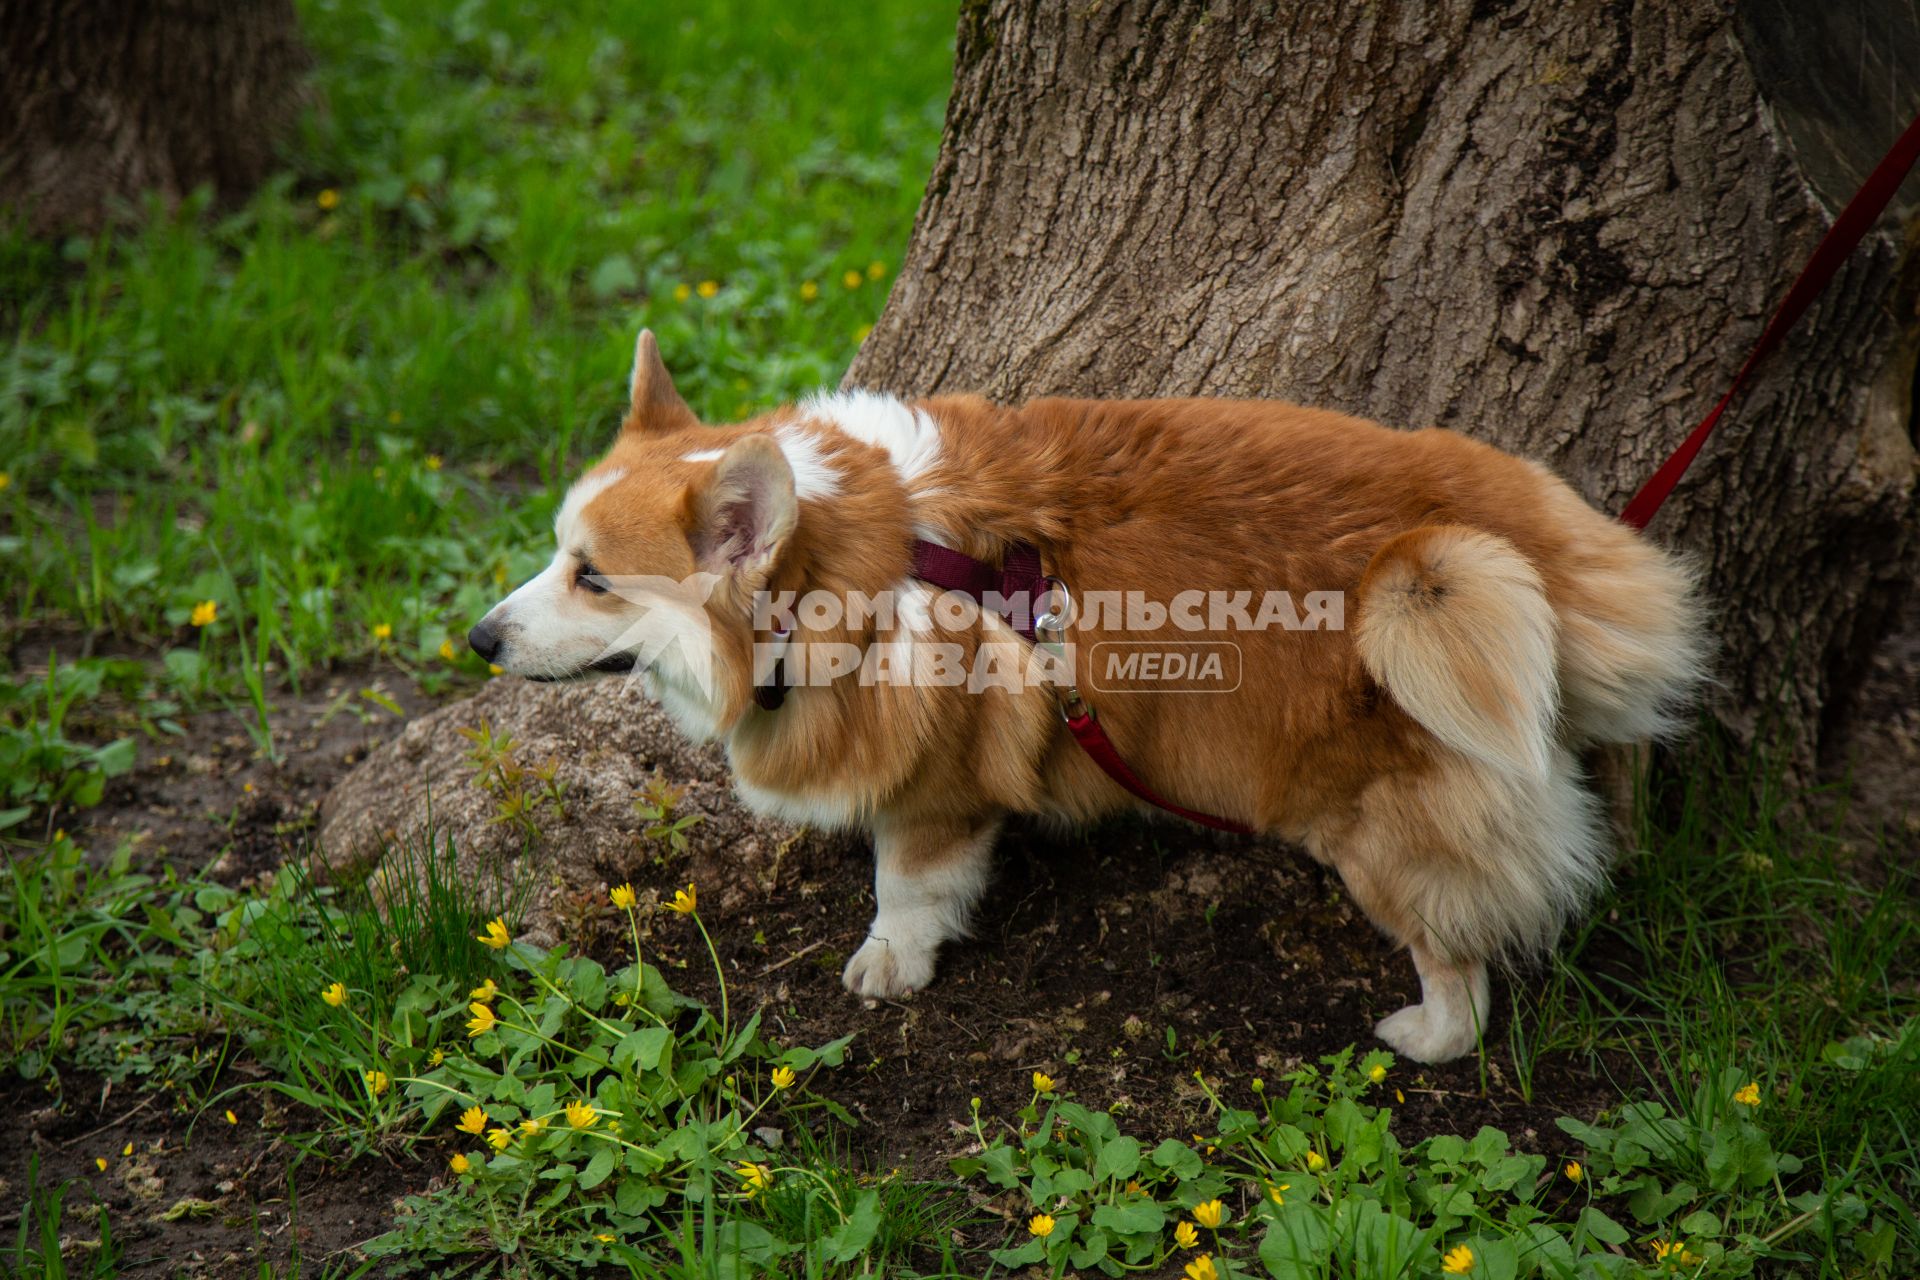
{"x":103,"y":100}
{"x":1556,"y":227}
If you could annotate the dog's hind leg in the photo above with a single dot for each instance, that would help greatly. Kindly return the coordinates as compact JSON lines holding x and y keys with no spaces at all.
{"x":1452,"y":1013}
{"x":927,"y":877}
{"x":1466,"y":865}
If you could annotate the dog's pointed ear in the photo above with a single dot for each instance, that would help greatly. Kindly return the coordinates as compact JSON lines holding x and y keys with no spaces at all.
{"x":654,"y":404}
{"x":746,"y":512}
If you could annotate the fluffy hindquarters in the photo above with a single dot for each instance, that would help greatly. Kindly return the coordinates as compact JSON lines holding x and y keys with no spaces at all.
{"x":1467,"y":864}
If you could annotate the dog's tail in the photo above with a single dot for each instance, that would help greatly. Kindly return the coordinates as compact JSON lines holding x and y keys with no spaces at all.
{"x":1455,"y":625}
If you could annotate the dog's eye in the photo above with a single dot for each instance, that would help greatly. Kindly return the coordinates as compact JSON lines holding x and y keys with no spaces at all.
{"x":589,"y":577}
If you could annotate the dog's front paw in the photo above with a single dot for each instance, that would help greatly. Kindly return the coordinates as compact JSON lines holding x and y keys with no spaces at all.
{"x":1426,"y":1033}
{"x":883,"y":968}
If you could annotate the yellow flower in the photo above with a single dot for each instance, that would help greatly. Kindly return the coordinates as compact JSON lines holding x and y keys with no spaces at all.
{"x":533,"y":1126}
{"x":1210,"y":1214}
{"x":1377,"y":1073}
{"x":708,"y":288}
{"x":782,"y":1077}
{"x":580,"y":1115}
{"x":100,"y":1163}
{"x":435,"y":462}
{"x":1042,"y":1082}
{"x":852,"y":279}
{"x":484,"y":993}
{"x":496,"y":935}
{"x":328,"y":199}
{"x":808,"y":292}
{"x":447,"y":653}
{"x":686,"y":901}
{"x":1674,"y":1253}
{"x":1748,"y":1095}
{"x":127,"y":1150}
{"x":499,"y":1139}
{"x":437,"y":1057}
{"x":473,"y":1120}
{"x":1400,"y":1097}
{"x":459,"y":1163}
{"x":1186,"y":1236}
{"x":205,"y":613}
{"x":383,"y":631}
{"x":1274,"y":1192}
{"x":482,"y":1020}
{"x":495,"y":669}
{"x":1133,"y":1186}
{"x":622,"y":896}
{"x":1573,"y":1171}
{"x":605,"y":1237}
{"x":755,"y":1177}
{"x":1041,"y":1225}
{"x":1202,"y":1268}
{"x":875,"y":270}
{"x":681,"y":292}
{"x":377,"y":1082}
{"x":232,"y":1118}
{"x":6,"y":479}
{"x":1457,"y":1261}
{"x":1315,"y":1161}
{"x":335,"y":995}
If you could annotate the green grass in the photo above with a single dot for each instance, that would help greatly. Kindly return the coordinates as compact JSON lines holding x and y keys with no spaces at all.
{"x":250,"y":409}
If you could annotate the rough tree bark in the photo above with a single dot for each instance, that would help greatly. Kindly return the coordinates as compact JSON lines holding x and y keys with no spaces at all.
{"x":104,"y":100}
{"x":1555,"y":226}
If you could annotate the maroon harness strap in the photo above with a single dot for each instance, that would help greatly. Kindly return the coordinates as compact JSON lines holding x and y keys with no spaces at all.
{"x":1010,"y":591}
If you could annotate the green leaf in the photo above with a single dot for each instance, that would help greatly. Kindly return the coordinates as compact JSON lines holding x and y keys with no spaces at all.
{"x":1650,"y":1203}
{"x":852,"y":1238}
{"x":1119,"y":1160}
{"x":1130,"y":1217}
{"x":997,"y":1163}
{"x":1093,"y":1250}
{"x":599,"y":1168}
{"x":1602,"y":1228}
{"x":1738,"y":1155}
{"x":642,"y":1049}
{"x":1178,"y":1159}
{"x":1026,"y":1255}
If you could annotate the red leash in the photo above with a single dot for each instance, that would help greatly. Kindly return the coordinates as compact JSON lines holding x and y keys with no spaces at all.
{"x":1019,"y":581}
{"x":1094,"y":741}
{"x":1842,"y":238}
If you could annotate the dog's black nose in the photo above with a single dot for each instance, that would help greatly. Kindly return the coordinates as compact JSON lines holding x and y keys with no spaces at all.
{"x":482,"y":640}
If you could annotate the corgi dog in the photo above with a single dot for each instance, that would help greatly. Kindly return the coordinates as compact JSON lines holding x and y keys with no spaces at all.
{"x":1392,"y":647}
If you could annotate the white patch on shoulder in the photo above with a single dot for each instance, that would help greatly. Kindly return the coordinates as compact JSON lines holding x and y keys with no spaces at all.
{"x":910,"y":437}
{"x":813,"y":475}
{"x":703,"y":455}
{"x":584,"y":490}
